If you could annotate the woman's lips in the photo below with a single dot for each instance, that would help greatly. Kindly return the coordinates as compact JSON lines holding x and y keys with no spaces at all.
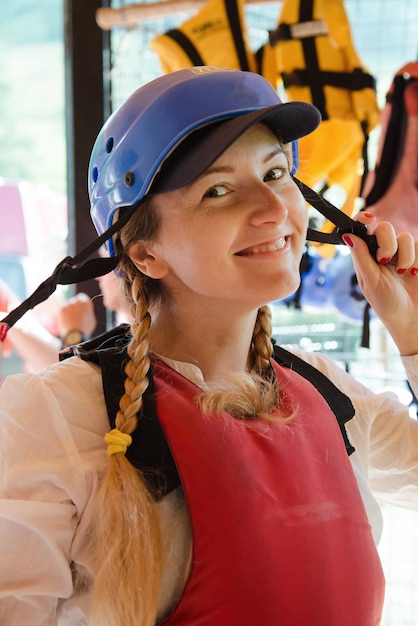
{"x":263,"y":248}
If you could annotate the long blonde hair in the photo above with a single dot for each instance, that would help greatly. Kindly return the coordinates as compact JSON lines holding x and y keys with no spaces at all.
{"x":127,"y":540}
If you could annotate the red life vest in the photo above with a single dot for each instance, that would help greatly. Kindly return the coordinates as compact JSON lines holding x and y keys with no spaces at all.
{"x":280,"y":534}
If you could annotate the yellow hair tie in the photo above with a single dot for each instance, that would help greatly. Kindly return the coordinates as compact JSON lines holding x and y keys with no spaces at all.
{"x":117,"y":442}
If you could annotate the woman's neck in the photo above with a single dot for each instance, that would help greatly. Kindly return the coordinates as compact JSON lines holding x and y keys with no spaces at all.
{"x":213,"y":344}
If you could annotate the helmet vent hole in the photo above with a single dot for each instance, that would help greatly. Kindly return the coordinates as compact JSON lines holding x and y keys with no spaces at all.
{"x":109,"y":145}
{"x":95,"y":174}
{"x":129,"y":179}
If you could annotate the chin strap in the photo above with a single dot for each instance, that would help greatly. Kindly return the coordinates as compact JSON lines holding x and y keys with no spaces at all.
{"x":76,"y":269}
{"x":343,"y":223}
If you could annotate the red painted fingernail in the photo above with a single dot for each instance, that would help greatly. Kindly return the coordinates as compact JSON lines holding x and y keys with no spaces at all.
{"x":369,"y":214}
{"x":414,"y":271}
{"x":385,"y":260}
{"x":401,"y":270}
{"x":3,"y":331}
{"x":347,"y":240}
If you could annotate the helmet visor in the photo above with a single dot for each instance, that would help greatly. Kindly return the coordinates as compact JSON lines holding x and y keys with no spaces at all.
{"x":202,"y":147}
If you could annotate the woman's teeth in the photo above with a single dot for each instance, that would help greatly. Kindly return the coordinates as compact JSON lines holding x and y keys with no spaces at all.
{"x":268,"y":247}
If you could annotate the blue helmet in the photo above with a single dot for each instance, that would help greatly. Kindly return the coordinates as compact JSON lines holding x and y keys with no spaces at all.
{"x":139,"y":137}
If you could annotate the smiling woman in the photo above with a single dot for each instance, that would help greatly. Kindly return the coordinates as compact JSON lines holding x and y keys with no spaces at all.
{"x":243,"y":226}
{"x":234,"y":469}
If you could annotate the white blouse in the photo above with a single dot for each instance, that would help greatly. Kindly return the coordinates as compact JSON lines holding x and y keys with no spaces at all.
{"x":52,"y":454}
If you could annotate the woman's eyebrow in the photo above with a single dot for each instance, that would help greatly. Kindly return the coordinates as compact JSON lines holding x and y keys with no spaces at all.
{"x":277,"y":150}
{"x":216,"y":169}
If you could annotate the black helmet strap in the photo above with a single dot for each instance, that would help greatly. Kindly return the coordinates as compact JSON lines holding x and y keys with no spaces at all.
{"x":73,"y":270}
{"x":344,"y":224}
{"x":76,"y":269}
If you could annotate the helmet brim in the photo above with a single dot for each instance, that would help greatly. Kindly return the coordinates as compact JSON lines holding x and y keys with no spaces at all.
{"x":198,"y":150}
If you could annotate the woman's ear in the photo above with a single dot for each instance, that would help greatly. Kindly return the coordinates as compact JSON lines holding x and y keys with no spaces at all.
{"x":149,"y":263}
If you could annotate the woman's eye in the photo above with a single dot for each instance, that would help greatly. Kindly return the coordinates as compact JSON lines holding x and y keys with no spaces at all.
{"x":274,"y":174}
{"x":216,"y":192}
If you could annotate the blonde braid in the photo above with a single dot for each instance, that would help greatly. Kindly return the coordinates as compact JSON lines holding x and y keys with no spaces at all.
{"x":128,"y":538}
{"x":137,"y":367}
{"x":247,"y":394}
{"x":262,"y":348}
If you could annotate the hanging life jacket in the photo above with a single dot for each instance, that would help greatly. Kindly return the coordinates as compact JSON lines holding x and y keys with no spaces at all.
{"x":216,"y":35}
{"x":318,"y":63}
{"x":391,"y":189}
{"x":262,"y":547}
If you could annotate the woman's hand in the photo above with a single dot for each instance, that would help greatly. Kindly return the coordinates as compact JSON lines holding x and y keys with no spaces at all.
{"x":390,"y":285}
{"x":77,"y":314}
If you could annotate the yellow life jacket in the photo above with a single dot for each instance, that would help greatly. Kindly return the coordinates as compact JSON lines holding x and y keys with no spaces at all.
{"x":361,"y":84}
{"x":317,"y":62}
{"x":266,"y":64}
{"x":216,"y":35}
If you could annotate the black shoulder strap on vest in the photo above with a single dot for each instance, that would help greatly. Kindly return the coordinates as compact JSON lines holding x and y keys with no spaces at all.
{"x":149,"y":451}
{"x":338,"y":402}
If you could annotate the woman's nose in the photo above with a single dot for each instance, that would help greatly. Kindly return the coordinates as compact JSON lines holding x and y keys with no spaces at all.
{"x":267,"y":205}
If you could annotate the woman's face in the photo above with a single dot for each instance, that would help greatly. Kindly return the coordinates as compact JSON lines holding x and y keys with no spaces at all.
{"x":237,"y":233}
